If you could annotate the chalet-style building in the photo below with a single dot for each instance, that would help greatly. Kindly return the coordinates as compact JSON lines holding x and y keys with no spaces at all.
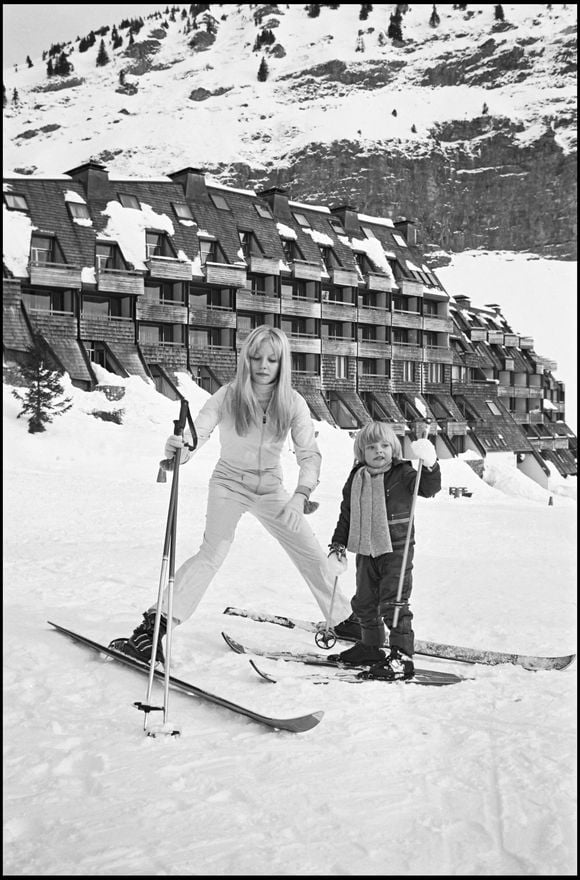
{"x":154,"y":277}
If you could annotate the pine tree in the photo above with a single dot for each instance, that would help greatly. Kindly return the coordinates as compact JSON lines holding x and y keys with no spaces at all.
{"x":263,"y":71}
{"x":41,"y":399}
{"x":49,"y":69}
{"x":28,"y":61}
{"x":484,"y":109}
{"x":15,"y":97}
{"x":102,"y":57}
{"x":498,"y":12}
{"x":313,"y":10}
{"x":395,"y":31}
{"x":434,"y":20}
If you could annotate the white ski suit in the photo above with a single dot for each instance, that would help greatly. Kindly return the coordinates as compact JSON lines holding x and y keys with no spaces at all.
{"x":248,"y":477}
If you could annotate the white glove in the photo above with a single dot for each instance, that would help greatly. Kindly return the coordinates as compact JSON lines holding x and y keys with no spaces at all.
{"x":337,"y":562}
{"x":292,"y":514}
{"x":173,"y":444}
{"x":425,"y":450}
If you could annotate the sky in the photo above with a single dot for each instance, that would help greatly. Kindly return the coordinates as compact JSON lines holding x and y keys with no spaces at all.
{"x":456,"y":781}
{"x":30,"y":28}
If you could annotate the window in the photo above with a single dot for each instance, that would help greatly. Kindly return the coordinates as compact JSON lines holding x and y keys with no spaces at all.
{"x":336,"y":226}
{"x":157,"y":245}
{"x":291,"y":250}
{"x":108,"y":256}
{"x":249,"y":243}
{"x":55,"y":301}
{"x":400,"y":303}
{"x":367,"y":367}
{"x":341,"y":367}
{"x":15,"y":202}
{"x":263,"y":211}
{"x":182,"y":211}
{"x":408,"y":371}
{"x":398,"y":239}
{"x":430,"y":307}
{"x":164,"y":292}
{"x":207,"y":250}
{"x":328,"y":257}
{"x":493,"y":408}
{"x":400,"y":335}
{"x":78,"y":211}
{"x":45,"y":249}
{"x":368,"y":232}
{"x":434,"y":373}
{"x":129,"y":201}
{"x":219,"y":202}
{"x":301,"y":219}
{"x":171,"y":334}
{"x":430,"y":338}
{"x":258,"y":283}
{"x":368,"y":332}
{"x":100,"y":305}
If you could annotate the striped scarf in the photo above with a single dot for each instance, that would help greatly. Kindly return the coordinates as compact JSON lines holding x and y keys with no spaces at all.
{"x":369,"y":529}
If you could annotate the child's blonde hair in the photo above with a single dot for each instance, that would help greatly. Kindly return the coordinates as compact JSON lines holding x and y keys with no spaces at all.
{"x":373,"y":433}
{"x":242,"y":402}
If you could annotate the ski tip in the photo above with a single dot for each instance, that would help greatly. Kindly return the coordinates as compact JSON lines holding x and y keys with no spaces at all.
{"x":231,"y":643}
{"x":263,"y":675}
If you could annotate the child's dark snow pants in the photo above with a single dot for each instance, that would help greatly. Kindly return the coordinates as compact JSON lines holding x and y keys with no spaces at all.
{"x":377,"y":582}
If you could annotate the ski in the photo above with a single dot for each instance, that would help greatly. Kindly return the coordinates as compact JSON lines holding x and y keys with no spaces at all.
{"x":299,"y":724}
{"x":353,"y":674}
{"x":427,"y":649}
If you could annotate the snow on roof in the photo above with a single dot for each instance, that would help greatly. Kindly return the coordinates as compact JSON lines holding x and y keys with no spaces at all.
{"x":215,"y":184}
{"x":374,"y":250}
{"x":128,"y":227}
{"x":17,"y":233}
{"x":286,"y":231}
{"x":319,"y":208}
{"x":71,"y":196}
{"x":320,"y":237}
{"x":380,"y":221}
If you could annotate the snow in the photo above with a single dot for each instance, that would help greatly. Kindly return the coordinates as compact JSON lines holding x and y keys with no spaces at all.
{"x":471,"y":780}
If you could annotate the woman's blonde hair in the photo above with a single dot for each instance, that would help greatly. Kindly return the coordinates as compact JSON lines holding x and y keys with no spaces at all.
{"x":373,"y":433}
{"x":242,"y":402}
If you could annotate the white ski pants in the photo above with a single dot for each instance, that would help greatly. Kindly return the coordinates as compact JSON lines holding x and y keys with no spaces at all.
{"x":228,"y":500}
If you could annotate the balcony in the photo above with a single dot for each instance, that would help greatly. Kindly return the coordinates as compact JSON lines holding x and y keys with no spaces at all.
{"x":374,"y":315}
{"x":374,"y":349}
{"x":374,"y":281}
{"x":257,"y":302}
{"x":120,"y":281}
{"x":407,"y":351}
{"x":55,"y":274}
{"x":169,"y":313}
{"x":511,"y":340}
{"x":339,"y":345}
{"x":437,"y":324}
{"x":407,"y":319}
{"x":411,"y":288}
{"x":495,"y":337}
{"x":334,"y":310}
{"x":210,"y":316}
{"x":107,"y":328}
{"x":300,"y":307}
{"x":438,"y":354}
{"x":169,"y":268}
{"x":264,"y":265}
{"x":526,"y":342}
{"x":478,"y":334}
{"x":303,"y":343}
{"x":308,"y":271}
{"x":344,"y":277}
{"x":225,"y":275}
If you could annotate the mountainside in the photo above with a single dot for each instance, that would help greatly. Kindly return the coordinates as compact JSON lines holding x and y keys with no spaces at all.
{"x":467,"y":125}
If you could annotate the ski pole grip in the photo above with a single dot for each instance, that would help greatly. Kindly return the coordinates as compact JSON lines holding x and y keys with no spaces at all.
{"x":178,"y":427}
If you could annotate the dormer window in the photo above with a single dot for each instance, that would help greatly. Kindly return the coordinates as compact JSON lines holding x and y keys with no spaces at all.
{"x":157,"y":244}
{"x":368,"y":232}
{"x":15,"y":202}
{"x":210,"y":251}
{"x":336,"y":225}
{"x":291,"y":250}
{"x":398,"y":239}
{"x":263,"y":211}
{"x":219,"y":202}
{"x":301,"y":220}
{"x":329,"y":259}
{"x":108,"y":256}
{"x":45,"y":249}
{"x":249,"y":243}
{"x":78,"y":210}
{"x":129,"y":201}
{"x":182,"y":211}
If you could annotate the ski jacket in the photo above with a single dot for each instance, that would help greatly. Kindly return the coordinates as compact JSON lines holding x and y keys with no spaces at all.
{"x":399,"y":483}
{"x":257,"y":454}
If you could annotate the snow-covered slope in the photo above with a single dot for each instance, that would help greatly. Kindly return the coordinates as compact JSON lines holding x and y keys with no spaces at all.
{"x":472,"y":780}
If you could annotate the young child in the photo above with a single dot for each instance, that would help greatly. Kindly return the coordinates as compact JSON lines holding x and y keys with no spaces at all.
{"x":254,"y":414}
{"x":373,"y":524}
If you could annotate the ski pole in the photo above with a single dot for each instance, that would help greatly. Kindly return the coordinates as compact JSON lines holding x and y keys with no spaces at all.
{"x":325,"y":638}
{"x":167,"y":574}
{"x":409,"y":530}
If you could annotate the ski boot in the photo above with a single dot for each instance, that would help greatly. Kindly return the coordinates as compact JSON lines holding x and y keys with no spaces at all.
{"x":140,"y":644}
{"x":394,"y":666}
{"x":359,"y":655}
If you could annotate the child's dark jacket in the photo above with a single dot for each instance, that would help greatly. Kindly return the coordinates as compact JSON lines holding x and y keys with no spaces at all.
{"x":399,"y":483}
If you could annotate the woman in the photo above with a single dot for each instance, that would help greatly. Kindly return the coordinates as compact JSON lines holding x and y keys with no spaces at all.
{"x":255,"y":413}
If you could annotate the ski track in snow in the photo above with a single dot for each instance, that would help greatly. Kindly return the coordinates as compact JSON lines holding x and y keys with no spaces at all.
{"x":475,"y":779}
